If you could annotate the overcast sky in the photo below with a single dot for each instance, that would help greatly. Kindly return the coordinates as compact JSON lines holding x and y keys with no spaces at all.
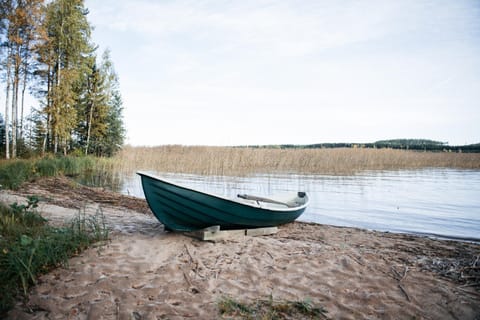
{"x":273,"y":72}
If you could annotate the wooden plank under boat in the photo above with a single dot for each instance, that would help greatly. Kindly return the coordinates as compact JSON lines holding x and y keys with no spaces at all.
{"x":181,"y":208}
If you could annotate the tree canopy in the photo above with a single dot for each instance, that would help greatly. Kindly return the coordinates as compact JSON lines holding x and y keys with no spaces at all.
{"x":46,"y":47}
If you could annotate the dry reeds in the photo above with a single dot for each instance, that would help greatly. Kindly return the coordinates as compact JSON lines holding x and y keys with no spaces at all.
{"x":242,"y":161}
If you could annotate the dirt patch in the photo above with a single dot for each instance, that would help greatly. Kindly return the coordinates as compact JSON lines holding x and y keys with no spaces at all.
{"x":70,"y":194}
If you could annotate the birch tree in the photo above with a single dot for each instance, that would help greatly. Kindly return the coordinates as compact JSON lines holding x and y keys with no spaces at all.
{"x":5,"y":10}
{"x":20,"y":20}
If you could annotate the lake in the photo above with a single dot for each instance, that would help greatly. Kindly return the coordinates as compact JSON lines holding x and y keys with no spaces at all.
{"x":436,"y":202}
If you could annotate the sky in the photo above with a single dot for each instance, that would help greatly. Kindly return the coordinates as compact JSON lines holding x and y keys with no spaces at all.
{"x":200,"y":72}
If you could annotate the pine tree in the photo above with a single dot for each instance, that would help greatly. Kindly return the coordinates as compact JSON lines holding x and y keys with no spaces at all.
{"x":37,"y":130}
{"x":63,"y":54}
{"x":101,"y":130}
{"x":93,"y":109}
{"x":115,"y":133}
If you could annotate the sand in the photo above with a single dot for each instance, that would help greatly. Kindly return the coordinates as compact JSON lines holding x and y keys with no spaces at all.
{"x":144,"y":272}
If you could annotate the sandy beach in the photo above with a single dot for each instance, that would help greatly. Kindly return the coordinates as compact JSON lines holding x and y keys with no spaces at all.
{"x":144,"y":272}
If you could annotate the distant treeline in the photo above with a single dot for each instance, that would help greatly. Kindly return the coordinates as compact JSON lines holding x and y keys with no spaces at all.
{"x":403,"y":144}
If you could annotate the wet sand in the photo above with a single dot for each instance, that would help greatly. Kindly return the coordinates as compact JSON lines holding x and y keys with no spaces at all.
{"x":144,"y":272}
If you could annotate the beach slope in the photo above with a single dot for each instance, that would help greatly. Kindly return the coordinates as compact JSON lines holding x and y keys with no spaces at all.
{"x":145,"y":272}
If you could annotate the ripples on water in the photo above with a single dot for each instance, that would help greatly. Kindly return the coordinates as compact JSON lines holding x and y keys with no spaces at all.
{"x":441,"y":202}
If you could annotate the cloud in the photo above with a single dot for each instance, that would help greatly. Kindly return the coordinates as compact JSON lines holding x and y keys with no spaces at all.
{"x":354,"y":62}
{"x":294,"y":28}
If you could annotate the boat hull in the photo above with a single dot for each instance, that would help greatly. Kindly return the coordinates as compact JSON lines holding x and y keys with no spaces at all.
{"x":183,"y":209}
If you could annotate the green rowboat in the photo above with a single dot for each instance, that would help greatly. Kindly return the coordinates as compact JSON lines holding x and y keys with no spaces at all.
{"x":181,"y":208}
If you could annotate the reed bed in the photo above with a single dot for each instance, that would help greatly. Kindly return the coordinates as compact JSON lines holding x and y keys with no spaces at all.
{"x":243,"y":161}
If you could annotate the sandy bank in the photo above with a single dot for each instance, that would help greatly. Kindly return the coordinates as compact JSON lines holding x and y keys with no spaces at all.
{"x":146,"y":273}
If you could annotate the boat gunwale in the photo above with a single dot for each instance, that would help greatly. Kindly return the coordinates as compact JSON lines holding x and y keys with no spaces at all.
{"x":253,"y":205}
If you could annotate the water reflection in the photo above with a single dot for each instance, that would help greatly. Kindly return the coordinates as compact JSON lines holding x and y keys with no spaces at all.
{"x":436,"y":202}
{"x":102,"y":178}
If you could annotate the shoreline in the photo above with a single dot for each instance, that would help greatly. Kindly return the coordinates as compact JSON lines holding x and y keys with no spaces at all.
{"x":68,"y":193}
{"x":360,"y":200}
{"x":143,"y":270}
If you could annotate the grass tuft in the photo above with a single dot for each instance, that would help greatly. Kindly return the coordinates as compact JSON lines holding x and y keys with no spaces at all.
{"x":30,"y":247}
{"x":268,"y":309}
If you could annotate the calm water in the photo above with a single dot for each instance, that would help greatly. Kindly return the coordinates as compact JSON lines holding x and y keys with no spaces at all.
{"x":443,"y":203}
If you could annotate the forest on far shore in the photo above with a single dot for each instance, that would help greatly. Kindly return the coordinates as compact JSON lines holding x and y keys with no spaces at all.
{"x":402,"y":144}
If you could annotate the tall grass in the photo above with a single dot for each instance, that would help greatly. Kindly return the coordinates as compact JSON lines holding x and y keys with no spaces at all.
{"x":15,"y":172}
{"x":29,"y":246}
{"x":241,"y":161}
{"x":232,"y":161}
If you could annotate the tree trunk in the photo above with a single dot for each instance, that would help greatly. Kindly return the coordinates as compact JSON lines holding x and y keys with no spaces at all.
{"x":48,"y":109}
{"x":16,"y":81}
{"x":22,"y":104}
{"x":7,"y":102}
{"x":56,"y":106}
{"x":44,"y":143}
{"x":7,"y":98}
{"x":90,"y":116}
{"x":55,"y":144}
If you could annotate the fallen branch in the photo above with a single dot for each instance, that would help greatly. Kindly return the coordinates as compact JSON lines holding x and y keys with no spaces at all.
{"x":464,"y":287}
{"x":187,"y":278}
{"x":396,"y":275}
{"x":357,"y":260}
{"x":188,"y":251}
{"x":404,"y":292}
{"x":404,"y":273}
